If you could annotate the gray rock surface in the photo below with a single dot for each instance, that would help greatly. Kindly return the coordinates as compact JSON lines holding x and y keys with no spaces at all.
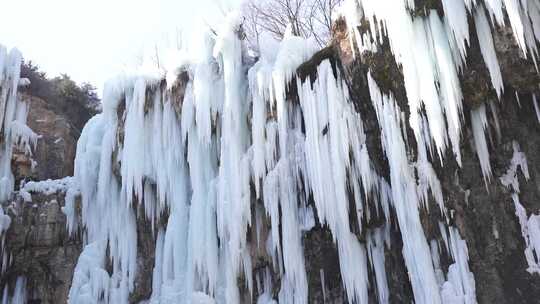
{"x":41,"y":249}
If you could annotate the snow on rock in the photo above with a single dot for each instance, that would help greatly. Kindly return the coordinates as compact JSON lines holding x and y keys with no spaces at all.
{"x":49,"y":186}
{"x":530,"y":225}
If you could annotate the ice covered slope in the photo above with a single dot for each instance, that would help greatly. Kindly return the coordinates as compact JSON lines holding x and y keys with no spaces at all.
{"x":397,"y":165}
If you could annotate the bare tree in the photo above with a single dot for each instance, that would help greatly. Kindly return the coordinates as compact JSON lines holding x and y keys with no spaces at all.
{"x":307,"y":18}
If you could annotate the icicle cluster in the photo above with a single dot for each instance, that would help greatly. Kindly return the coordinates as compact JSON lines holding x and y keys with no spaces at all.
{"x":432,"y":52}
{"x":14,"y":133}
{"x":210,"y":151}
{"x":13,"y":112}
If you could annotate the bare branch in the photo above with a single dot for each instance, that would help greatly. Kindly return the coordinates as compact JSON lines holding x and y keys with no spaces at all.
{"x":307,"y":18}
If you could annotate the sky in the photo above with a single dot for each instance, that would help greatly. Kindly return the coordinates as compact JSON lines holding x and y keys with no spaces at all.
{"x":93,"y":40}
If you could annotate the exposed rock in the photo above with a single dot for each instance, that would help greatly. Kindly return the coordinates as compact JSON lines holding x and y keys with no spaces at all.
{"x":41,"y":250}
{"x":56,"y":148}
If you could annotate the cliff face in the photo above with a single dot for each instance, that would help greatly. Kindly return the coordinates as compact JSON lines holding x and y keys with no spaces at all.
{"x":215,"y":184}
{"x":54,"y":153}
{"x":483,"y":211}
{"x":40,"y":248}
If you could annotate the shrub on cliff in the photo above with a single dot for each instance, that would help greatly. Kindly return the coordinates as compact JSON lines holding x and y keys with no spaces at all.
{"x":77,"y":103}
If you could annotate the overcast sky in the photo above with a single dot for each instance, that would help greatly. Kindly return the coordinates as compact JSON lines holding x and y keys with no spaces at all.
{"x":92,"y":40}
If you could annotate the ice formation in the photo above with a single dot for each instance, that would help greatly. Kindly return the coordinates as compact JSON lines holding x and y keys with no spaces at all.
{"x":479,"y":124}
{"x":232,"y":140}
{"x":487,"y":49}
{"x":212,"y":150}
{"x":13,"y":112}
{"x":14,"y":134}
{"x":460,"y":286}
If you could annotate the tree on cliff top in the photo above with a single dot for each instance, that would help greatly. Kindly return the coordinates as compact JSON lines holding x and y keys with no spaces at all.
{"x":63,"y":95}
{"x":307,"y":18}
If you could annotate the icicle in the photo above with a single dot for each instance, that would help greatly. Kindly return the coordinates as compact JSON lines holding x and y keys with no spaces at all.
{"x":514,"y":14}
{"x":23,"y":137}
{"x":260,"y":83}
{"x":495,"y":115}
{"x":202,"y":236}
{"x":479,"y":125}
{"x":331,"y":128}
{"x":487,"y":49}
{"x":19,"y":294}
{"x":416,"y":251}
{"x":376,"y":257}
{"x":456,"y":17}
{"x":536,"y":108}
{"x":450,"y":90}
{"x":495,"y":9}
{"x":460,"y":286}
{"x":205,"y":99}
{"x":323,"y":285}
{"x":424,"y":50}
{"x":233,"y":193}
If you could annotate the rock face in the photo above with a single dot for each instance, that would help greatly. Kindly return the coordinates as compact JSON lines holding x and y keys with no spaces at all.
{"x":482,"y":211}
{"x":41,"y":249}
{"x":56,"y":148}
{"x":37,"y":241}
{"x":53,"y":156}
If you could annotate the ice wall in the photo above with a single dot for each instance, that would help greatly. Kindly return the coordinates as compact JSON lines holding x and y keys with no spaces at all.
{"x":211,"y":149}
